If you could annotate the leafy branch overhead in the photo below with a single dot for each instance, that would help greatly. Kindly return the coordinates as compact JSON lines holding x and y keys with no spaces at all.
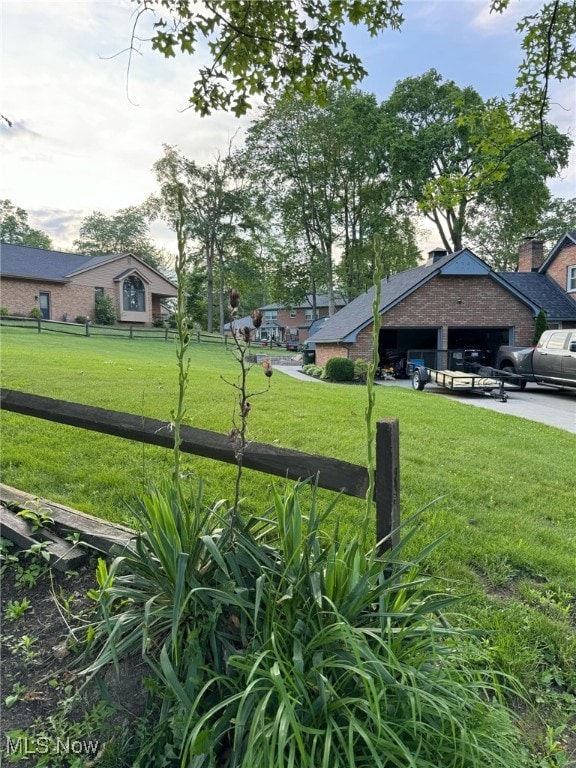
{"x":257,"y":48}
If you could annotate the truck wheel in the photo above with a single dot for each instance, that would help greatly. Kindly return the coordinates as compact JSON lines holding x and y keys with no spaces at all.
{"x":417,"y":382}
{"x":515,"y":382}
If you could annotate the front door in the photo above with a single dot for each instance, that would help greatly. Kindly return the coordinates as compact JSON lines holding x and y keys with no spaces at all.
{"x":44,"y":301}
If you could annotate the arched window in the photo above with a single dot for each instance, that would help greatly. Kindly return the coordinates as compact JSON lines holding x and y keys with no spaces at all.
{"x":133,"y":295}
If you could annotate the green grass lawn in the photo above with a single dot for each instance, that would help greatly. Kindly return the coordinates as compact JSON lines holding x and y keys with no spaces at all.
{"x":502,"y":487}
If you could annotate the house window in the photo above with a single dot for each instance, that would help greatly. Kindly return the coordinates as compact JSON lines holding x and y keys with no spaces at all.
{"x":308,"y":314}
{"x":133,"y":295}
{"x":571,"y":282}
{"x":98,"y":292}
{"x":292,"y":313}
{"x":270,"y":314}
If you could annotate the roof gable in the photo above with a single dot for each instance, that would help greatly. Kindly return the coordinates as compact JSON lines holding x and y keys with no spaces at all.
{"x":568,"y":239}
{"x":465,"y":263}
{"x":130,"y":271}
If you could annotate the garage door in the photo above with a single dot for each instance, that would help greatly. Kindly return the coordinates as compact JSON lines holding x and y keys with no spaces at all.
{"x":485,"y":340}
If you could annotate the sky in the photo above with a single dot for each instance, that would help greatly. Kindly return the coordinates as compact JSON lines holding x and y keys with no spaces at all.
{"x":87,"y":125}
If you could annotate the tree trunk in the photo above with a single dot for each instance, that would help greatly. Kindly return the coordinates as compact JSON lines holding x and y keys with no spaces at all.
{"x":210,"y":283}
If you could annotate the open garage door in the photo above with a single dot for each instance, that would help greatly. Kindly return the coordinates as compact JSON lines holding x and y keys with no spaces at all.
{"x":395,"y":343}
{"x":484,"y":340}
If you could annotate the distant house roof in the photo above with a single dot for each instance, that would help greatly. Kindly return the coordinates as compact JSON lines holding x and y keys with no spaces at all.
{"x":307,"y":303}
{"x":239,"y":322}
{"x":351,"y":319}
{"x":37,"y":263}
{"x":21,"y":261}
{"x":313,"y":328}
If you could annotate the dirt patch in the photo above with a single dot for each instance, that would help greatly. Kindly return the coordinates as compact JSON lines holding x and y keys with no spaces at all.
{"x":41,"y":625}
{"x":46,"y":706}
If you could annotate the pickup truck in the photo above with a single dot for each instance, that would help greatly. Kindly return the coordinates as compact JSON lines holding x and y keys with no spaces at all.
{"x":552,"y":361}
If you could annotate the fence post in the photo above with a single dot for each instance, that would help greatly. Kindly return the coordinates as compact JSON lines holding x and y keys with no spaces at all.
{"x":387,"y":483}
{"x":39,"y":321}
{"x":87,"y":327}
{"x":131,"y":332}
{"x":198,"y":336}
{"x":166,"y":332}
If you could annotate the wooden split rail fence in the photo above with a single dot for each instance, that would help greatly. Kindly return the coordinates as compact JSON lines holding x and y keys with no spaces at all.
{"x":332,"y":474}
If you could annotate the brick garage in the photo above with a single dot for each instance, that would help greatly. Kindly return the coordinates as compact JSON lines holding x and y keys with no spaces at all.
{"x":455,"y":301}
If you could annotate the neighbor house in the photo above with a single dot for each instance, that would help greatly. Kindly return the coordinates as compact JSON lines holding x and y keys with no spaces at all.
{"x":63,"y":286}
{"x":456,"y":301}
{"x":283,"y":323}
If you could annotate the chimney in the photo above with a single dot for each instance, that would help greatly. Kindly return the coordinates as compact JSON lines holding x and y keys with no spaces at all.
{"x":435,"y":255}
{"x":530,"y":255}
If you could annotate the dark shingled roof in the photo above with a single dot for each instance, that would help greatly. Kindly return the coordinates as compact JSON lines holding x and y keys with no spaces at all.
{"x":27,"y":263}
{"x":355,"y":315}
{"x":36,"y":263}
{"x":321,"y":301}
{"x":544,"y":292}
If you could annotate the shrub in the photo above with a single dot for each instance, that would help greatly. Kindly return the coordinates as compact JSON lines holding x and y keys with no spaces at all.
{"x":104,"y":310}
{"x":4,"y":311}
{"x":361,"y":368}
{"x":340,"y":369}
{"x":313,"y":370}
{"x":81,"y":319}
{"x":35,"y":312}
{"x":540,"y":326}
{"x":158,"y":322}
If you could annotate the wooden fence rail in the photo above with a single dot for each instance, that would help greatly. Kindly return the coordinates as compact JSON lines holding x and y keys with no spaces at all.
{"x":333,"y":474}
{"x":163,"y":333}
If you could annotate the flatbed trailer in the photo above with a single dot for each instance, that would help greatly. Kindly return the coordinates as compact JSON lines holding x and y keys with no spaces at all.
{"x":458,"y":381}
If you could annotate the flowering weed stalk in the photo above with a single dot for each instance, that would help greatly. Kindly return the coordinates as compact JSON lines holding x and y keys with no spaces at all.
{"x":242,"y":337}
{"x":371,"y":398}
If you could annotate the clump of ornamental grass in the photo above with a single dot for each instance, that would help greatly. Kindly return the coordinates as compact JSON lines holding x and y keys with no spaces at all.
{"x":270,"y":644}
{"x":348,"y":662}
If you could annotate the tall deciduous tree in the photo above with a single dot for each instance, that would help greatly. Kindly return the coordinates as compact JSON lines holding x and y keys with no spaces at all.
{"x":126,"y":231}
{"x":496,"y":233}
{"x":217,"y":216}
{"x":556,"y":220}
{"x":258,"y":48}
{"x":325,"y":171}
{"x":451,"y":152}
{"x":14,"y":227}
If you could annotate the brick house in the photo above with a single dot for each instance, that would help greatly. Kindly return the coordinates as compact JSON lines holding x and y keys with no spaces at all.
{"x":64,"y":285}
{"x":456,"y":301}
{"x":284,"y":323}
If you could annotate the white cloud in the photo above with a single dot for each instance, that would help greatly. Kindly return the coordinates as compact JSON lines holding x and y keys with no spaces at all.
{"x":79,"y":144}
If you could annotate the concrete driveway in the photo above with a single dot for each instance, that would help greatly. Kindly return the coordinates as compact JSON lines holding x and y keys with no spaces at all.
{"x":554,"y":407}
{"x":557,"y":408}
